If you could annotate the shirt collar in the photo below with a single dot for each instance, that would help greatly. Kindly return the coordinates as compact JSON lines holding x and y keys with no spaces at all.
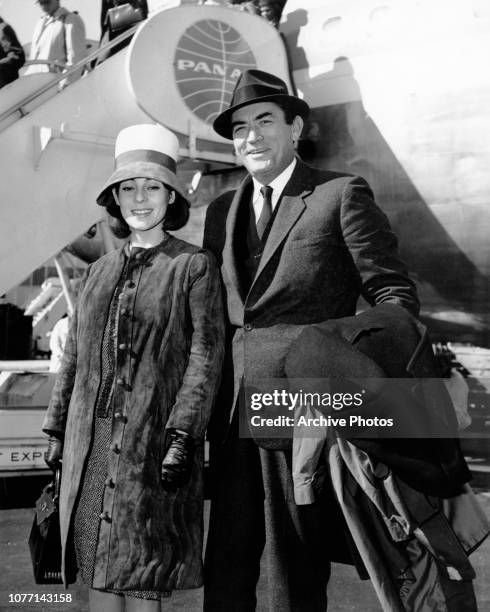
{"x":145,"y":252}
{"x":59,"y":12}
{"x":277,"y":184}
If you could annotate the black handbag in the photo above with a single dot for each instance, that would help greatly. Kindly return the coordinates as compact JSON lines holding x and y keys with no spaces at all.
{"x":123,"y":17}
{"x":45,"y":537}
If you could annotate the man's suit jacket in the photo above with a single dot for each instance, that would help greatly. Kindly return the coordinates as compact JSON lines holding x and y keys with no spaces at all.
{"x":329,"y":244}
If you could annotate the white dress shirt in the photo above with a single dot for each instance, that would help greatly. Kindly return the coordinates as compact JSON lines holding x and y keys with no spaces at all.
{"x":277,"y":185}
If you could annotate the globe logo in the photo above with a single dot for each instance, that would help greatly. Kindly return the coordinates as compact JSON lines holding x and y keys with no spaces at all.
{"x":209,"y":58}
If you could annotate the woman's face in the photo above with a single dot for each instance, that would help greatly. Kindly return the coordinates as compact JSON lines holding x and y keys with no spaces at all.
{"x":144,"y":203}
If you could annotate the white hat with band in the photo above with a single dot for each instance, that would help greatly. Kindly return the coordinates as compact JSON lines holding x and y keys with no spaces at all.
{"x":144,"y":151}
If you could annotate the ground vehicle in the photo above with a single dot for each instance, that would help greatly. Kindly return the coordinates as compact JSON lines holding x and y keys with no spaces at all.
{"x":23,"y":400}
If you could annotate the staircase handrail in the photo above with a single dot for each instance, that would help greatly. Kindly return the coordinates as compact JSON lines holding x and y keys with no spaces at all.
{"x":18,"y":107}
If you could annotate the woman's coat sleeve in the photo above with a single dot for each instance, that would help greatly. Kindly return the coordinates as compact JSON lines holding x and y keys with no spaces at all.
{"x":194,"y":400}
{"x":55,"y":419}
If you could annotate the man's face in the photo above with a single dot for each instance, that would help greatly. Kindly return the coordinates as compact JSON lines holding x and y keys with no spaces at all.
{"x":49,"y":6}
{"x":263,"y":141}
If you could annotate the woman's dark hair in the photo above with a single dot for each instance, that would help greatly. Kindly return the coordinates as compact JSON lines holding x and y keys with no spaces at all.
{"x":176,"y":216}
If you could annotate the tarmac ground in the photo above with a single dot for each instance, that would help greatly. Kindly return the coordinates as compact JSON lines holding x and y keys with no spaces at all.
{"x":347,"y":593}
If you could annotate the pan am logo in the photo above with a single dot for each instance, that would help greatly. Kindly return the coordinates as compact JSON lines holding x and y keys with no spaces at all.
{"x":209,"y":58}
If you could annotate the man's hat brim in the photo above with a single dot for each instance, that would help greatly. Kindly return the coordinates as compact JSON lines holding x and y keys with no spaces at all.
{"x":223,"y":124}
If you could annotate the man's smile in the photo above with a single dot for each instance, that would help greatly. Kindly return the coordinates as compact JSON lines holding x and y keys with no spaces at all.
{"x":258,"y":151}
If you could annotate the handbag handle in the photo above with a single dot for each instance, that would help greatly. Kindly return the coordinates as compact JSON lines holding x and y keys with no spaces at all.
{"x":57,"y":482}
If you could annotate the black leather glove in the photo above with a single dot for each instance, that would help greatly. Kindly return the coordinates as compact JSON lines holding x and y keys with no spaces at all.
{"x":177,"y":463}
{"x":53,"y":455}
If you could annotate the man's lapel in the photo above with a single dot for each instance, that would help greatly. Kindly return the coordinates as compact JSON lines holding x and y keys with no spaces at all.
{"x":290,"y":210}
{"x":230,"y":264}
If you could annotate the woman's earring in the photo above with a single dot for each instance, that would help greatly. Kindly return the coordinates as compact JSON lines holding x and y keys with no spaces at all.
{"x":116,"y":199}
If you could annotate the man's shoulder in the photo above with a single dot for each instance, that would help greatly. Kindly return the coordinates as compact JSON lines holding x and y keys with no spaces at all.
{"x":70,"y":17}
{"x":304,"y":176}
{"x":215,"y":223}
{"x":321,"y":176}
{"x":226,"y":196}
{"x":221,"y":204}
{"x":329,"y":184}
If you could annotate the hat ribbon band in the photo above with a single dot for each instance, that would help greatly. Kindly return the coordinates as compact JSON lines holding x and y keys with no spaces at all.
{"x":145,"y":155}
{"x":249,"y":92}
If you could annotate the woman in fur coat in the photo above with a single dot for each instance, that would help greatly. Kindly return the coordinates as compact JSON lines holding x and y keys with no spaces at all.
{"x":134,"y":392}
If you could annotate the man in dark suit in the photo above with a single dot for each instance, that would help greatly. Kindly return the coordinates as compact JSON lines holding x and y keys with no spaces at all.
{"x":297,"y":246}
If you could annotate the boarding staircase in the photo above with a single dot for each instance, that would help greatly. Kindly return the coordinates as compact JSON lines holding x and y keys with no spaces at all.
{"x":56,"y":149}
{"x":46,"y":309}
{"x":57,"y":144}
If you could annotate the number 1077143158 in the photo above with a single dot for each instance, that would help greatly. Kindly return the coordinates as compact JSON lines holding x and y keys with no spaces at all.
{"x":17,"y":598}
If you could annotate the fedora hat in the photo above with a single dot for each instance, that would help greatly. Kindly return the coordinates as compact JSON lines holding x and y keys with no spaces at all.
{"x":258,"y":86}
{"x":143,"y":151}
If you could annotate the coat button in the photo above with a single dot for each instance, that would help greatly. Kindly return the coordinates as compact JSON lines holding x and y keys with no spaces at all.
{"x":115,"y":448}
{"x":104,"y":516}
{"x":124,"y":311}
{"x":120,"y":381}
{"x":122,"y":346}
{"x":247,"y":327}
{"x":119,"y":416}
{"x":109,"y":483}
{"x":131,"y":284}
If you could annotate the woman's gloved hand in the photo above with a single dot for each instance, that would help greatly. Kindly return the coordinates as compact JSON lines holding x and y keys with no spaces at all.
{"x":53,"y":455}
{"x":177,"y":463}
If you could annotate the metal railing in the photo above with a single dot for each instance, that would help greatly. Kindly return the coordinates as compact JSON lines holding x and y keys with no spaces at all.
{"x":20,"y":107}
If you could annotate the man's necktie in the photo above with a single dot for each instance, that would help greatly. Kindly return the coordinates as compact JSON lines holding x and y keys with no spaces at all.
{"x":266,"y":214}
